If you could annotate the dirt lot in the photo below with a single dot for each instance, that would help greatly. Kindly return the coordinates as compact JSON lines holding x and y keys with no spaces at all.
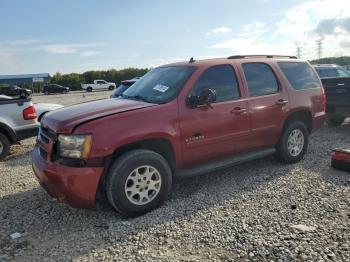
{"x":244,"y":213}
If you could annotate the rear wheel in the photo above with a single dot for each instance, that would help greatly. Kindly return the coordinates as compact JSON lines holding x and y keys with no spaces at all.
{"x":335,"y":120}
{"x":4,"y":146}
{"x":138,"y":182}
{"x":293,"y":143}
{"x":46,"y":92}
{"x":89,"y":89}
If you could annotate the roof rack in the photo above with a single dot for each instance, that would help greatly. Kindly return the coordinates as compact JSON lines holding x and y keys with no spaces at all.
{"x":260,"y":56}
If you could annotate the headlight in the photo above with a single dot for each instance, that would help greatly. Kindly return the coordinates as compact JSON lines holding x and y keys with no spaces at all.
{"x":74,"y":146}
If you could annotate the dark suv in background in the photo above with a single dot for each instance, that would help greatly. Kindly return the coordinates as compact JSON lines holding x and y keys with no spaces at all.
{"x":124,"y":85}
{"x":55,"y":89}
{"x":15,"y":91}
{"x":336,"y":82}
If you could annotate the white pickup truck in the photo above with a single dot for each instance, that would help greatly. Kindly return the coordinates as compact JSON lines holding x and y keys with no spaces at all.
{"x":98,"y":85}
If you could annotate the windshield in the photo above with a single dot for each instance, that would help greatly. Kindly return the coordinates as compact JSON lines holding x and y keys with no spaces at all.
{"x":160,"y":85}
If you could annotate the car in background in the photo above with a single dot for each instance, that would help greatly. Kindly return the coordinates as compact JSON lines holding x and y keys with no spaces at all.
{"x":336,"y":82}
{"x":55,"y":89}
{"x":43,"y":108}
{"x":331,"y":70}
{"x":347,"y":67}
{"x":98,"y":85}
{"x":15,"y":91}
{"x":18,"y":120}
{"x":124,"y":85}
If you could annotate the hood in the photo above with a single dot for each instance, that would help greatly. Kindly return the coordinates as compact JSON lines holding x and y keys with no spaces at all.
{"x":64,"y":120}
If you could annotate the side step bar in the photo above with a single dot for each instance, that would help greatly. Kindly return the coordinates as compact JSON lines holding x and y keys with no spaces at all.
{"x":224,"y":163}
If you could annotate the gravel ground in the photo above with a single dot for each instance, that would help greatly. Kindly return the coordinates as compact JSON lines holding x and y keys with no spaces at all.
{"x":259,"y":211}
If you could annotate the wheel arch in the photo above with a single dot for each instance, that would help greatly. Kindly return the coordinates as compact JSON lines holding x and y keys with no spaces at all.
{"x":162,"y":146}
{"x":7,"y":131}
{"x":303,"y":115}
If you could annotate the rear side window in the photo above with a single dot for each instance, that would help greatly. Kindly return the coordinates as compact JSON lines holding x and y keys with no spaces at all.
{"x":260,"y":79}
{"x":300,"y":75}
{"x":220,"y":78}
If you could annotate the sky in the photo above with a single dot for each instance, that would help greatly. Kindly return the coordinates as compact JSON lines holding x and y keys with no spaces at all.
{"x":38,"y":36}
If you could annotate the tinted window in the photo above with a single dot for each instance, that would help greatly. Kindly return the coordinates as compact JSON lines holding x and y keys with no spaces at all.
{"x":220,"y":78}
{"x":343,"y":72}
{"x":299,"y":75}
{"x":260,"y":79}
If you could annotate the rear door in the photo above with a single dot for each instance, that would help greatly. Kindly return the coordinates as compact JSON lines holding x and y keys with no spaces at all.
{"x":210,"y":132}
{"x":267,"y":102}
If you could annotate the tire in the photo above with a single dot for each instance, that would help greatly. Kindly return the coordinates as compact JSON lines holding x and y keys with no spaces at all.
{"x":123,"y":173}
{"x":292,"y":154}
{"x":89,"y":89}
{"x":335,"y":120}
{"x":64,"y":92}
{"x":23,"y":95}
{"x":111,"y":87}
{"x":4,"y":146}
{"x":46,"y":93}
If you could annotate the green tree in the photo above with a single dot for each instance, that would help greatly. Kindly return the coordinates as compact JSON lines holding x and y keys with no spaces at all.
{"x":74,"y":80}
{"x":342,"y":60}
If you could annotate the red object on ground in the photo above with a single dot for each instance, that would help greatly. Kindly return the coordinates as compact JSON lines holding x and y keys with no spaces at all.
{"x":341,"y":159}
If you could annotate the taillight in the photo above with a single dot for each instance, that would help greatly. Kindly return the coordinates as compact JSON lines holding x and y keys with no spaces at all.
{"x":29,"y":113}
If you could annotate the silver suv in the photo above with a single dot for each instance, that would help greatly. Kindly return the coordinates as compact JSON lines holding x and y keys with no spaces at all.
{"x":18,"y":120}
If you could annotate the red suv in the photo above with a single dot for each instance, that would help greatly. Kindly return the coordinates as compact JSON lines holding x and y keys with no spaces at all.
{"x":179,"y":119}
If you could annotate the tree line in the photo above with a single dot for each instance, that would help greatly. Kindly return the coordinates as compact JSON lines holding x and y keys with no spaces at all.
{"x":74,"y":80}
{"x":342,"y":60}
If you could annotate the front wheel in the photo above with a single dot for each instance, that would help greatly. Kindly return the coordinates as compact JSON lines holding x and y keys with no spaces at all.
{"x":293,"y":143}
{"x":138,"y":182}
{"x":111,"y":87}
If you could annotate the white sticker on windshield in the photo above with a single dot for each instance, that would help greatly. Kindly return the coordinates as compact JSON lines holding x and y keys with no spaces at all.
{"x":160,"y":88}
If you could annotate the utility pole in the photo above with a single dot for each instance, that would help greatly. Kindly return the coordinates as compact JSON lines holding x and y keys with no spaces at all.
{"x":319,"y":48}
{"x":299,"y":52}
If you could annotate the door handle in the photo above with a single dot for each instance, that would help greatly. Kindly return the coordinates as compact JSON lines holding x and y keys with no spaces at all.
{"x":342,"y":84}
{"x":239,"y":111}
{"x":281,"y":102}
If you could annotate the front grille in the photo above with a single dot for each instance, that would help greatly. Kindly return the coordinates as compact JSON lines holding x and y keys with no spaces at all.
{"x":46,"y":141}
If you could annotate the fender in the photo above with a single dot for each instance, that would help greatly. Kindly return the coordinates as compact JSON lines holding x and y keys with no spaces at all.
{"x":8,"y":131}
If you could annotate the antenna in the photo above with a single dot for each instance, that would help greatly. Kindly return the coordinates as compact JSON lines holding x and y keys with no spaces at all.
{"x":192,"y":60}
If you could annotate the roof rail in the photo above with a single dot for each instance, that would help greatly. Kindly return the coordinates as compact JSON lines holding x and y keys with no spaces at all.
{"x":261,"y":56}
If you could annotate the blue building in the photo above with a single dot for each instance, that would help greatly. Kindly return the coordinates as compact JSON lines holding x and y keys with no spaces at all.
{"x":33,"y":81}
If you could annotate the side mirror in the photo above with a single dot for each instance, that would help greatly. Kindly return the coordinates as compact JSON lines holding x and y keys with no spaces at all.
{"x":205,"y":97}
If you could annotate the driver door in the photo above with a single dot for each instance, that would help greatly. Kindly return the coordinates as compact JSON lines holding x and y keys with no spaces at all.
{"x":222,"y":128}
